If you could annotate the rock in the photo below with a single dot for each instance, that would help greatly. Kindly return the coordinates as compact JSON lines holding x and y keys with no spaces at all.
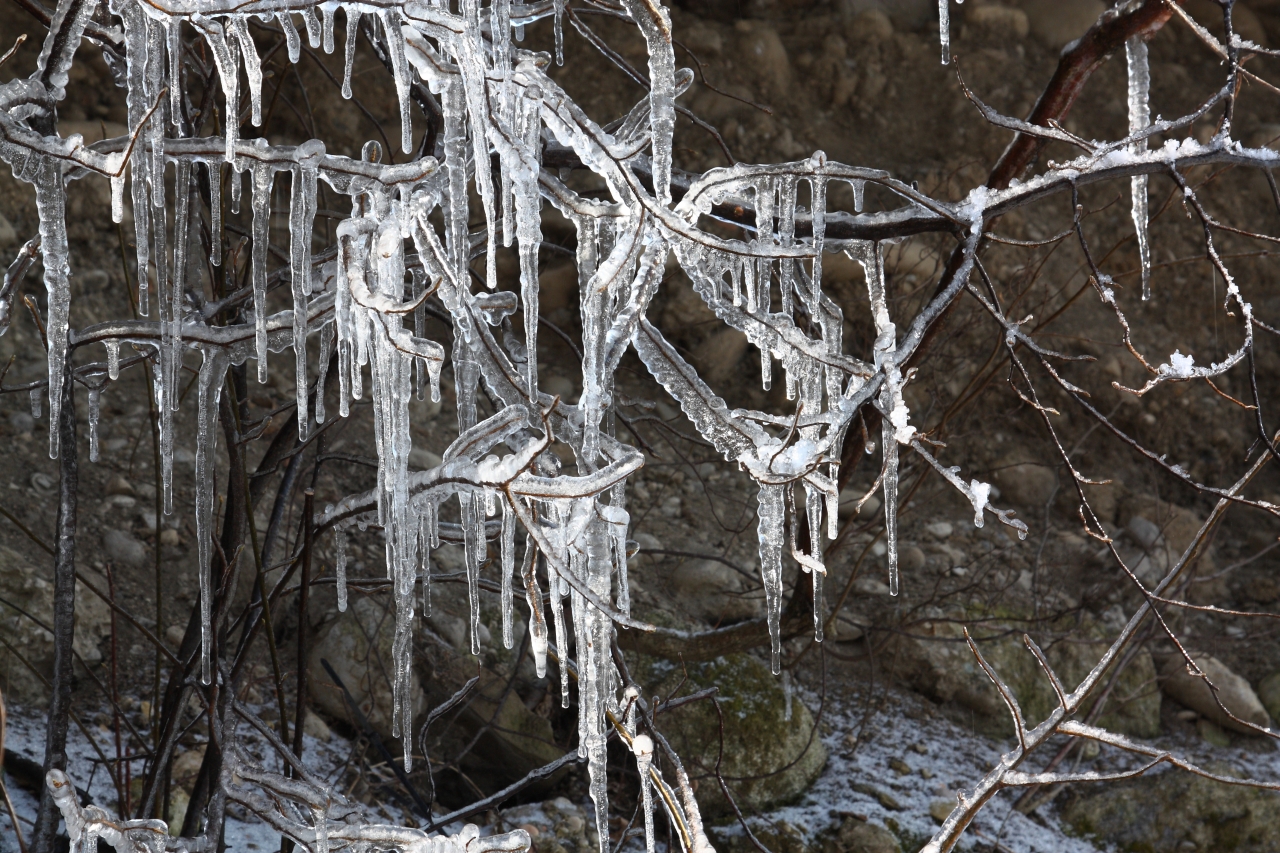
{"x":911,"y":559}
{"x":21,"y":422}
{"x":945,"y":670}
{"x":1173,"y":810}
{"x":775,"y":759}
{"x":556,"y":826}
{"x":779,"y":836}
{"x":849,"y":504}
{"x":859,"y":836}
{"x":720,"y":354}
{"x":1058,"y":23}
{"x":911,"y":257}
{"x":28,"y":584}
{"x":764,"y":54}
{"x":1028,"y":485}
{"x":867,"y":585}
{"x":998,"y":20}
{"x":884,"y":798}
{"x":358,"y":646}
{"x":123,"y":548}
{"x":316,"y":727}
{"x":8,"y":234}
{"x":1234,"y":692}
{"x":560,"y":386}
{"x":870,"y":25}
{"x":170,"y":537}
{"x":939,"y":529}
{"x":940,"y":809}
{"x":712,"y":591}
{"x":421,"y":459}
{"x":1269,"y":694}
{"x":173,"y":635}
{"x":1212,"y":734}
{"x":118,"y":485}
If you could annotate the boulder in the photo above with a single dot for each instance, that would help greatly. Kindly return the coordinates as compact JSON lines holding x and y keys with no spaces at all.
{"x":28,"y":584}
{"x":767,"y":758}
{"x":358,"y":646}
{"x":1172,"y":810}
{"x":1234,"y":692}
{"x":945,"y":670}
{"x":122,"y":547}
{"x":1269,"y":694}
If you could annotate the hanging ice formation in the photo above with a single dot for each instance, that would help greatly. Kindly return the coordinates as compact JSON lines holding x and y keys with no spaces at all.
{"x":1135,"y":51}
{"x":365,"y":309}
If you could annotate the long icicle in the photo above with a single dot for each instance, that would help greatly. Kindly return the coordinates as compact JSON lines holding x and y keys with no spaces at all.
{"x":1135,"y":51}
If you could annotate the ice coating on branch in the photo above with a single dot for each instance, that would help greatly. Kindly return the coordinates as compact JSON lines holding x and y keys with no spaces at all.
{"x":51,"y":204}
{"x":1139,"y":75}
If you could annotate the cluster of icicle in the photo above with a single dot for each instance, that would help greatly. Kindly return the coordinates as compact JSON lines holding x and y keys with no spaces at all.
{"x":367,"y":307}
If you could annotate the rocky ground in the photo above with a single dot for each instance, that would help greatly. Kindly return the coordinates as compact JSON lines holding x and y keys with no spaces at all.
{"x":861,"y":746}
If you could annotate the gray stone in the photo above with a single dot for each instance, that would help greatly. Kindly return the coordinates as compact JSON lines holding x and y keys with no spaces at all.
{"x":998,"y":20}
{"x":422,"y":459}
{"x":556,"y":826}
{"x":1026,"y":485}
{"x":774,"y":758}
{"x":1057,"y":22}
{"x":858,"y":836}
{"x":936,"y":662}
{"x":1234,"y":692}
{"x":870,"y":25}
{"x":1269,"y":694}
{"x":123,"y":548}
{"x":713,"y":592}
{"x":21,"y":422}
{"x":28,"y":584}
{"x":764,"y":55}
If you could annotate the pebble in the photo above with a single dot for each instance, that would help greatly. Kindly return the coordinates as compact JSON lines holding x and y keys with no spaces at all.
{"x":897,"y":765}
{"x":911,"y":559}
{"x":174,"y":634}
{"x":170,"y":537}
{"x":939,"y":529}
{"x":123,"y":548}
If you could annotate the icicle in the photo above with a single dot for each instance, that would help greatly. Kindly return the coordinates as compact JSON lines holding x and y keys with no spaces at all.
{"x":340,"y":568}
{"x":508,"y":546}
{"x":113,"y":358}
{"x":237,"y":188}
{"x":859,"y":193}
{"x":944,"y":30}
{"x":94,"y":394}
{"x":215,"y":213}
{"x":252,"y":66}
{"x":559,"y":32}
{"x":322,"y":368}
{"x":212,"y":369}
{"x":400,"y":72}
{"x":302,"y":207}
{"x":771,"y":519}
{"x":818,"y":184}
{"x":262,"y":176}
{"x":1135,"y":50}
{"x":654,"y":22}
{"x":642,"y":748}
{"x":312,"y":25}
{"x":51,"y":205}
{"x":326,"y":18}
{"x":426,"y":521}
{"x":353,"y":24}
{"x":889,"y":444}
{"x":173,"y":31}
{"x":293,"y":44}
